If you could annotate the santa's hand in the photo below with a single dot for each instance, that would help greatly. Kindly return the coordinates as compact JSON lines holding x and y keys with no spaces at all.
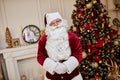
{"x":61,"y":68}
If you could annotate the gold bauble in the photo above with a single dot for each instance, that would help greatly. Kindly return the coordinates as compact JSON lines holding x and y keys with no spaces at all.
{"x":94,"y":2}
{"x":89,"y":5}
{"x":95,"y":64}
{"x":109,"y":25}
{"x":92,"y":79}
{"x":116,"y":42}
{"x":74,"y":29}
{"x":112,"y":51}
{"x":100,"y":61}
{"x":84,"y":54}
{"x":89,"y":50}
{"x":81,"y":29}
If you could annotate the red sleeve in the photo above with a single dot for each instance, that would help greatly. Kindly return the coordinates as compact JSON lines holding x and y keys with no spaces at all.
{"x":76,"y":47}
{"x":42,"y":54}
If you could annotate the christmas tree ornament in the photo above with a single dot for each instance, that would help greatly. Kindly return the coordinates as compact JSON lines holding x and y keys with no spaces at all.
{"x":100,"y":43}
{"x":89,"y":50}
{"x":95,"y":65}
{"x":98,"y":78}
{"x":81,"y":29}
{"x":102,"y":25}
{"x":109,"y":25}
{"x":89,"y":5}
{"x":8,"y":38}
{"x":116,"y":42}
{"x":112,"y":51}
{"x":74,"y":28}
{"x":97,"y":58}
{"x":94,"y":1}
{"x":100,"y":61}
{"x":97,"y":38}
{"x":84,"y":54}
{"x":109,"y":40}
{"x":119,"y":65}
{"x":97,"y":74}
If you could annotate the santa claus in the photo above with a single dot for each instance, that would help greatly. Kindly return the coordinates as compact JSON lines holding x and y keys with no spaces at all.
{"x":59,"y":50}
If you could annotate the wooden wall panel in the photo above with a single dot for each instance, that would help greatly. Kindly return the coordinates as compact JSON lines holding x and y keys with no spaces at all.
{"x":16,"y":14}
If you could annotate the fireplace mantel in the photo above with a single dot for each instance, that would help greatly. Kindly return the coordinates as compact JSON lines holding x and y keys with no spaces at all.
{"x":12,"y":55}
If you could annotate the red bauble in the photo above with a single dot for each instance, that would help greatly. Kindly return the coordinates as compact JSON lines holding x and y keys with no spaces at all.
{"x":113,"y":32}
{"x":81,"y":16}
{"x":100,"y":43}
{"x":97,"y":58}
{"x":85,"y":69}
{"x":109,"y":41}
{"x":91,"y":25}
{"x":87,"y":27}
{"x":97,"y":74}
{"x":81,"y":10}
{"x":100,"y":51}
{"x":119,"y":65}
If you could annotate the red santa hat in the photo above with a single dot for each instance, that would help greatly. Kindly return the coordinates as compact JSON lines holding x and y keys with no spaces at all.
{"x":52,"y":16}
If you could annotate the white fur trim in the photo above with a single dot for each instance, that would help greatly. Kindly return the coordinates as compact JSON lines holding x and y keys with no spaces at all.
{"x":49,"y":65}
{"x":78,"y":77}
{"x":45,"y":78}
{"x":52,"y":16}
{"x":71,"y":64}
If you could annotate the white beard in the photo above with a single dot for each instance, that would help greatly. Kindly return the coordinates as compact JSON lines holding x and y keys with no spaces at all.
{"x":57,"y":44}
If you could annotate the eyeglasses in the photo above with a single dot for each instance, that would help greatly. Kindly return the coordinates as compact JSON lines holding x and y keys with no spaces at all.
{"x":55,"y":22}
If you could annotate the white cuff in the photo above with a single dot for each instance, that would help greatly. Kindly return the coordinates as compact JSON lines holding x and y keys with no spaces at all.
{"x":71,"y":64}
{"x":49,"y":65}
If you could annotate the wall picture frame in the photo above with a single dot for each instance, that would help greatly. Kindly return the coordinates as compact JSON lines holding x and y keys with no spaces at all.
{"x":15,"y":42}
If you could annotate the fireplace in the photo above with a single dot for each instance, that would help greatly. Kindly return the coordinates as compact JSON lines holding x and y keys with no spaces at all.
{"x":22,"y":61}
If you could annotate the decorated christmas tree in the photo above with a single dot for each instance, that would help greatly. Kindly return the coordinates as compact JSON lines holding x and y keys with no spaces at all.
{"x":101,"y":48}
{"x":8,"y":38}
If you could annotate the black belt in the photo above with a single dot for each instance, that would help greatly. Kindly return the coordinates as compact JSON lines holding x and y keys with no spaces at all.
{"x":61,"y":61}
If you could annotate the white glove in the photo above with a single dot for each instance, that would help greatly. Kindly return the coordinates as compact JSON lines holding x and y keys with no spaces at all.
{"x":61,"y":68}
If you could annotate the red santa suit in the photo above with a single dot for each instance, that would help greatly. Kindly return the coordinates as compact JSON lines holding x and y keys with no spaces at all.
{"x":58,"y":46}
